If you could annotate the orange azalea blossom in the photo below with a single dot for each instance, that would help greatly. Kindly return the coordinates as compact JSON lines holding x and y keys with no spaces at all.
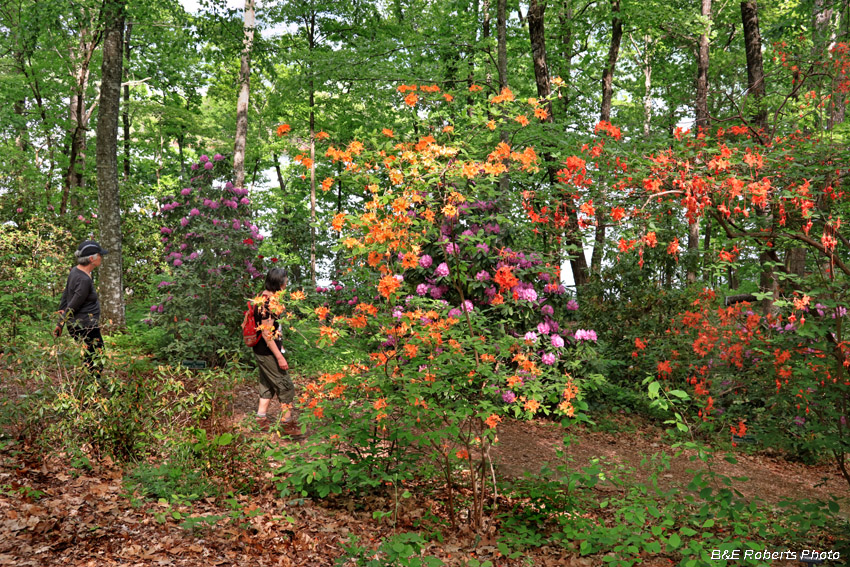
{"x":492,"y":421}
{"x":617,"y":213}
{"x":388,"y":133}
{"x":388,"y":285}
{"x":541,"y":113}
{"x":297,"y":295}
{"x":462,"y":454}
{"x":448,"y":129}
{"x":448,"y":97}
{"x":380,"y":404}
{"x":522,"y":119}
{"x":450,"y":210}
{"x":411,"y":350}
{"x":505,"y":278}
{"x":358,"y":322}
{"x":411,"y":261}
{"x":322,"y":312}
{"x":497,"y":299}
{"x":567,"y":408}
{"x":355,"y":148}
{"x":475,"y":88}
{"x":673,"y":247}
{"x":327,"y":183}
{"x":322,"y":135}
{"x":283,"y":129}
{"x":491,"y":124}
{"x":505,"y":95}
{"x":431,"y":89}
{"x":404,"y":88}
{"x":411,"y":99}
{"x":338,"y":221}
{"x":328,"y":332}
{"x":532,"y":406}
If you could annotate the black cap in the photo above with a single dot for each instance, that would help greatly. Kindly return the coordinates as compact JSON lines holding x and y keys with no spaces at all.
{"x":90,"y":248}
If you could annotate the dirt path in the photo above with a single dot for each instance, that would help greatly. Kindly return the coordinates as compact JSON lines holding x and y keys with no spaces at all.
{"x":526,"y":446}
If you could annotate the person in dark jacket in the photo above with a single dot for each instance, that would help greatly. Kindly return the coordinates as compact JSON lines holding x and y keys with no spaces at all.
{"x":269,"y":351}
{"x":79,"y":307}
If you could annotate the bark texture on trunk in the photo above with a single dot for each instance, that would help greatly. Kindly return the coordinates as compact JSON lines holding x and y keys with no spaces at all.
{"x":702,"y":124}
{"x":768,"y":281}
{"x":755,"y":67}
{"x":537,"y":36}
{"x":502,"y":66}
{"x":244,"y":96}
{"x":605,"y":115}
{"x":125,"y":111}
{"x":613,"y":55}
{"x":108,"y":195}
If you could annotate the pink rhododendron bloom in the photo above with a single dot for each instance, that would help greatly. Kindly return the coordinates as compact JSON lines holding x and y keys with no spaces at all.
{"x":572,"y":305}
{"x":442,"y":270}
{"x":194,"y":212}
{"x":531,"y":337}
{"x":218,"y":157}
{"x":543,"y":328}
{"x":184,"y":221}
{"x":467,"y":306}
{"x":426,"y":261}
{"x":178,"y":262}
{"x":187,"y":191}
{"x":548,"y":359}
{"x":208,"y":165}
{"x":557,"y":341}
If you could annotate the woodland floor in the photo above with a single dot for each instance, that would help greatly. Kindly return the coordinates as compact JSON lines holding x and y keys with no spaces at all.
{"x":85,"y":518}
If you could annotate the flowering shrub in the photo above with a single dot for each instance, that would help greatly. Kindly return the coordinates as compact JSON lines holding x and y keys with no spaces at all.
{"x":210,"y":247}
{"x":471,"y":329}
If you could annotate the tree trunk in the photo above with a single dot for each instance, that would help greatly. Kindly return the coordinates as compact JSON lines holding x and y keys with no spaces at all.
{"x":838,"y":109}
{"x":701,"y":106}
{"x":78,"y":115}
{"x":755,"y":68}
{"x":647,"y":85}
{"x":755,"y":91}
{"x":613,"y":55}
{"x":605,"y":115}
{"x":311,"y":38}
{"x":537,"y":36}
{"x":244,"y":95}
{"x":701,"y":126}
{"x":108,"y":197}
{"x":125,"y":113}
{"x":485,"y":35}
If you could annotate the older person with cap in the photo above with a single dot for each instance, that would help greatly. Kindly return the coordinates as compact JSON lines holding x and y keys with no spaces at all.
{"x":79,"y":307}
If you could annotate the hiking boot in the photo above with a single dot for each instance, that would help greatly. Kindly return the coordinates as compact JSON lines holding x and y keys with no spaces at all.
{"x":291,"y":429}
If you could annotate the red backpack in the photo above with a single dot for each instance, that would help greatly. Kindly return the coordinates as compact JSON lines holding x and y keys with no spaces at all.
{"x":250,"y":333}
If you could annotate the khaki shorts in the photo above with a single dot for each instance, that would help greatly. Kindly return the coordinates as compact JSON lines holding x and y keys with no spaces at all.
{"x":273,"y":380}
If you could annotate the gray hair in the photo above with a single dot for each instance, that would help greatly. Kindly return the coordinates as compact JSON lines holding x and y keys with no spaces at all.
{"x":84,"y":260}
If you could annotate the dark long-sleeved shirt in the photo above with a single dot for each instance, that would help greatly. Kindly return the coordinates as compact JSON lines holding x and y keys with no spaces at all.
{"x":79,"y":302}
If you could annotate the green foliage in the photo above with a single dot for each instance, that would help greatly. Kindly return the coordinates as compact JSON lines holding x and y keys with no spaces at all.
{"x":400,"y":550}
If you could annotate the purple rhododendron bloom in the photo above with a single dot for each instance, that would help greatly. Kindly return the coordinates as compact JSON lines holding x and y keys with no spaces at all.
{"x":194,"y":167}
{"x":548,"y":359}
{"x":204,"y":158}
{"x":218,"y":157}
{"x":572,"y":305}
{"x":451,"y":248}
{"x":482,"y":276}
{"x":442,"y":270}
{"x":184,"y":221}
{"x":799,"y":421}
{"x":436,"y":292}
{"x":557,"y":341}
{"x":508,"y":397}
{"x":426,"y":261}
{"x":178,"y":262}
{"x":422,"y":289}
{"x":186,"y":191}
{"x":483,"y":247}
{"x":543,"y":328}
{"x":194,"y":212}
{"x":547,"y":310}
{"x":208,"y":165}
{"x":454,"y":313}
{"x":467,"y":306}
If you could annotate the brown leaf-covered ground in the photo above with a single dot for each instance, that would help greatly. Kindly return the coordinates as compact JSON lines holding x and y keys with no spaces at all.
{"x":53,"y":514}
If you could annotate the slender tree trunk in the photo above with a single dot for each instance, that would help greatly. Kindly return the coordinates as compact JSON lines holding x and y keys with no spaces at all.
{"x":108,"y":196}
{"x":755,"y":93}
{"x":125,"y":111}
{"x":537,"y":36}
{"x":244,"y":96}
{"x":613,"y":55}
{"x":485,"y":36}
{"x":755,"y":67}
{"x":312,"y":103}
{"x":702,"y":124}
{"x":838,"y":110}
{"x":647,"y":85}
{"x":605,"y":115}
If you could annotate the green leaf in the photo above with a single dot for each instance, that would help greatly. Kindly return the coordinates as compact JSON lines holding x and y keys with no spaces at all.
{"x":674,"y":541}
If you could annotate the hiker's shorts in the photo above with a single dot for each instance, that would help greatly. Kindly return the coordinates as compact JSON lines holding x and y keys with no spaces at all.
{"x":273,"y":380}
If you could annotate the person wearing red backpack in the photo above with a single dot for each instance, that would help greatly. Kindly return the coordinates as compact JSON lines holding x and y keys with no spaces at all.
{"x":269,"y":351}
